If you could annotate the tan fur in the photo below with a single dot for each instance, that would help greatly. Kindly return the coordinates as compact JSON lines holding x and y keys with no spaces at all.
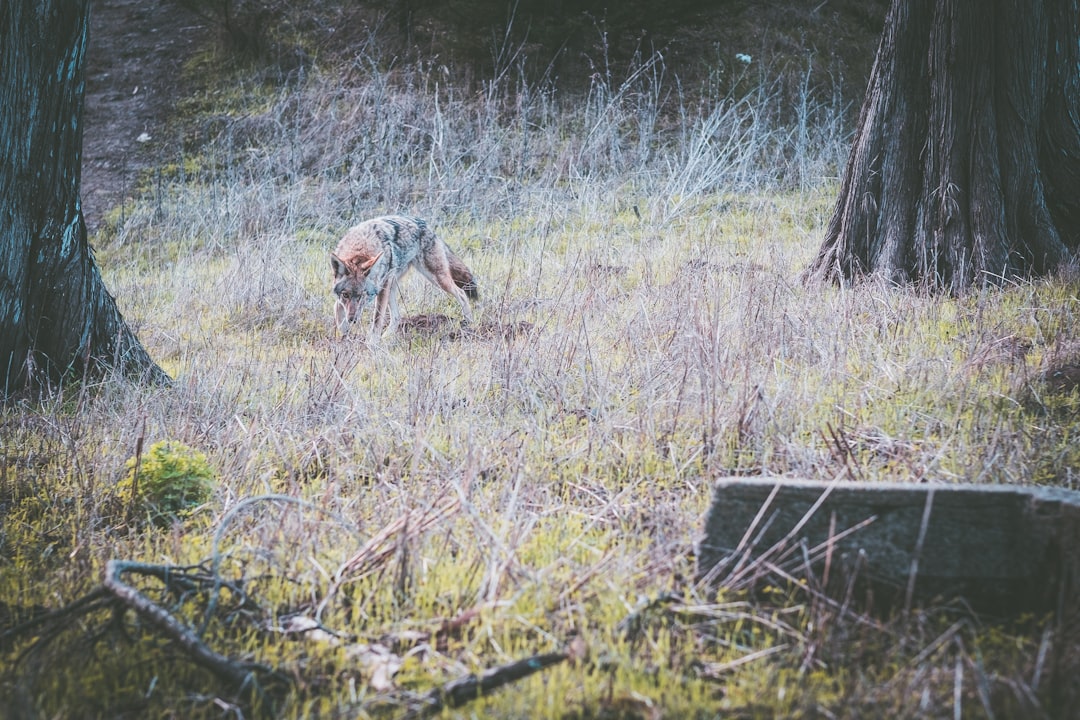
{"x":371,"y":258}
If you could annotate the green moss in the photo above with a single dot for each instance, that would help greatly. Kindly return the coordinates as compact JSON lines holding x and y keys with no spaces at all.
{"x":168,"y":482}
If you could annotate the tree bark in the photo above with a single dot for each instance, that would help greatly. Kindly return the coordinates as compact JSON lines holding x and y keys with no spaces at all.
{"x":56,"y":317}
{"x":965,"y":169}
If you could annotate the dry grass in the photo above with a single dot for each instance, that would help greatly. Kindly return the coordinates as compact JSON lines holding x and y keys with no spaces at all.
{"x":455,"y":499}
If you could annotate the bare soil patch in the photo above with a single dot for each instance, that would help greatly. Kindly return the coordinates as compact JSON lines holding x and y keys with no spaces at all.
{"x":452,"y":329}
{"x":133,"y":78}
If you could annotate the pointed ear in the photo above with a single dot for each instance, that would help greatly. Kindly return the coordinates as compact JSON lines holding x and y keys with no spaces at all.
{"x":364,"y":267}
{"x":340,"y":269}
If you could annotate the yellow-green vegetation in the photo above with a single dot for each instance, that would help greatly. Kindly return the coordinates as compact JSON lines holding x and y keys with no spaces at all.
{"x":382,"y":518}
{"x":168,"y":482}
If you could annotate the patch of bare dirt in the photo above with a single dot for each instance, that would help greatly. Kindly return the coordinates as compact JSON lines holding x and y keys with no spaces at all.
{"x":452,"y":329}
{"x":134,"y":64}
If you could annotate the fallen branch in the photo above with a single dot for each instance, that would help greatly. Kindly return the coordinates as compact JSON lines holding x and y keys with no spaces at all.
{"x":242,"y":676}
{"x":250,"y":679}
{"x":94,"y":600}
{"x":466,"y":689}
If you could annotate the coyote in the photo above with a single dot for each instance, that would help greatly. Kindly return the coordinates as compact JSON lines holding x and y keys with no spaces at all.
{"x":372,"y":257}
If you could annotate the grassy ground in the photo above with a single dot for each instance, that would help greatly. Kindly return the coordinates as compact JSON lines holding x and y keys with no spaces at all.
{"x":387,"y":517}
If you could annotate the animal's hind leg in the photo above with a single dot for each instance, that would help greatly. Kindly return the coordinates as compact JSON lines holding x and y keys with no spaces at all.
{"x":444,"y":281}
{"x":436,"y":268}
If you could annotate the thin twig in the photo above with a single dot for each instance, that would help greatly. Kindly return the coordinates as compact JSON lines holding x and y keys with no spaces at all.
{"x":781,"y":544}
{"x":135,"y":471}
{"x":228,"y":519}
{"x":745,"y":547}
{"x":914,"y":572}
{"x":714,"y":671}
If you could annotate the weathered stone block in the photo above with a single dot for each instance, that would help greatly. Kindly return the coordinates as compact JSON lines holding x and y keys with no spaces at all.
{"x":1003,"y":549}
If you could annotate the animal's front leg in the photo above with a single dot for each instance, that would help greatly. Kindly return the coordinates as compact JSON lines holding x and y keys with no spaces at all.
{"x":395,"y":314}
{"x":382,"y":307}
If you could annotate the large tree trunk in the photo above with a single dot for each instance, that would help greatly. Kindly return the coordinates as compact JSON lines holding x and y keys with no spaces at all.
{"x":965,"y":168}
{"x":56,"y":316}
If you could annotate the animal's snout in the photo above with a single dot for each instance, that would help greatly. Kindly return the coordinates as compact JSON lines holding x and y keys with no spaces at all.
{"x":343,"y":315}
{"x":347,"y":306}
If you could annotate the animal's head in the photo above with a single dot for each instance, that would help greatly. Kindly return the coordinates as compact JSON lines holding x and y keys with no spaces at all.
{"x":353,"y":287}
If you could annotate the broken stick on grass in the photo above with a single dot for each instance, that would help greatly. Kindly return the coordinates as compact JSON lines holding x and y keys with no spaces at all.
{"x":466,"y":689}
{"x":242,"y":675}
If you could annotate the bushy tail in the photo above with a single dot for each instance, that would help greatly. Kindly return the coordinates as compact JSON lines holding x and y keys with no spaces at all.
{"x":462,"y":276}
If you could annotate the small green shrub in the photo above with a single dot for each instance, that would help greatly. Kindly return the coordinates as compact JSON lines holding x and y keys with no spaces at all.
{"x":168,"y":481}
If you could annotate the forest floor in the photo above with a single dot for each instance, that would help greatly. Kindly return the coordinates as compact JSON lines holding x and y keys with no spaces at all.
{"x":381,"y":519}
{"x":133,"y":79}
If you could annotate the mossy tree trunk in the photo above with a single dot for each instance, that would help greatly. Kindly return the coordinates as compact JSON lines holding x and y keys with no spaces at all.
{"x":965,"y":169}
{"x":56,"y":317}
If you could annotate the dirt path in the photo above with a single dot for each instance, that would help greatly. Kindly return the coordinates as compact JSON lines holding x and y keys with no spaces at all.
{"x":136,"y":53}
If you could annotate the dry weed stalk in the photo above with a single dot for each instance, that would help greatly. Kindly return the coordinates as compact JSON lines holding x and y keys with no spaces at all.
{"x":389,"y":540}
